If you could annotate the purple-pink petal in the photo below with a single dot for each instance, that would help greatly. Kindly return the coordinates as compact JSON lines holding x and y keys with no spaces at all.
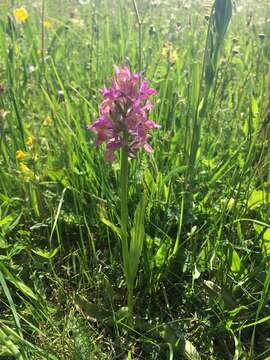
{"x":151,"y":124}
{"x":148,"y":148}
{"x":145,"y":90}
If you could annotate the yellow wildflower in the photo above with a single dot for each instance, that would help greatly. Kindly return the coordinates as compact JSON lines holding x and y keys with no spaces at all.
{"x":169,"y":52}
{"x":47,"y":24}
{"x":29,"y":141}
{"x":167,"y":48}
{"x":47,"y":121}
{"x":24,"y":168}
{"x":20,"y":14}
{"x":20,"y":154}
{"x":173,"y":57}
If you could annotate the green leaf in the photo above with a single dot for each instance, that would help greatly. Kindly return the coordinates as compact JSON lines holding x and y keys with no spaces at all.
{"x":235,"y":261}
{"x":161,"y":256}
{"x":237,"y":310}
{"x":9,"y":346}
{"x":137,"y":237}
{"x":190,"y":352}
{"x":266,"y":236}
{"x":113,"y":227}
{"x":149,"y":181}
{"x":215,"y":291}
{"x":261,"y":321}
{"x":57,"y":213}
{"x":223,"y":13}
{"x":259,"y":229}
{"x":22,"y":343}
{"x":11,"y":304}
{"x":255,"y":112}
{"x":256,"y":199}
{"x":3,"y":243}
{"x":195,"y":89}
{"x":6,"y":220}
{"x":17,"y":283}
{"x":46,"y":254}
{"x":92,"y":310}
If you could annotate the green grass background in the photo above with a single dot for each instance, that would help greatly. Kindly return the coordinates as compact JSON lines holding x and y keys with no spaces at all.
{"x":202,"y":289}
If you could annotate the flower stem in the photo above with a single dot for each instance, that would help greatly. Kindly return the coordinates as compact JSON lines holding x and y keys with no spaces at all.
{"x":124,"y":226}
{"x":124,"y":204}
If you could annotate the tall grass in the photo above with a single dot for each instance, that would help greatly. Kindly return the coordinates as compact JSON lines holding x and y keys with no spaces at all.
{"x":202,"y":284}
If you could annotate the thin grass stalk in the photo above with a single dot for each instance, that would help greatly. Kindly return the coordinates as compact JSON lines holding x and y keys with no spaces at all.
{"x":13,"y":100}
{"x":179,"y":230}
{"x":43,"y":34}
{"x":139,"y":22}
{"x":91,"y":50}
{"x":12,"y":348}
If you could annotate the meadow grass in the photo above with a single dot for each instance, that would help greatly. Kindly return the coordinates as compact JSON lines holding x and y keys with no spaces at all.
{"x":202,"y":286}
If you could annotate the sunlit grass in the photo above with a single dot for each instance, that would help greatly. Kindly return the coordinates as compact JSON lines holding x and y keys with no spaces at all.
{"x":202,"y":286}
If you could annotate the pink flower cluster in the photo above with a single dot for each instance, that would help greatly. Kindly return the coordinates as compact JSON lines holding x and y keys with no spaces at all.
{"x":123,"y":120}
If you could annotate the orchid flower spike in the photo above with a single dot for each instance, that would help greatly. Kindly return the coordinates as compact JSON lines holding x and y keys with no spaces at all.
{"x":123,"y":117}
